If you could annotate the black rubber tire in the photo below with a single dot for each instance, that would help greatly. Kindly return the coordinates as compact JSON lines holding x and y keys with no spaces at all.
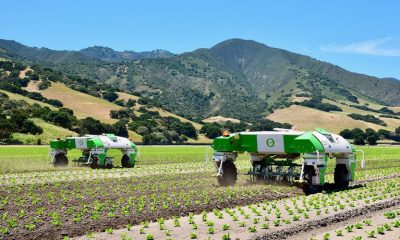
{"x":94,"y":163}
{"x":125,"y":161}
{"x":308,"y":187}
{"x":108,"y":166}
{"x":229,"y":174}
{"x":60,"y":160}
{"x":340,"y":176}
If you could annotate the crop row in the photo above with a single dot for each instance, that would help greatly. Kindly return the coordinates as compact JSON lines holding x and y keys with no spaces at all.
{"x":31,"y":209}
{"x":33,"y":159}
{"x":382,"y":226}
{"x":261,"y":218}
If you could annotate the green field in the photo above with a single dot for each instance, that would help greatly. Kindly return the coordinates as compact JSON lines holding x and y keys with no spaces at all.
{"x":167,"y":181}
{"x":15,"y":159}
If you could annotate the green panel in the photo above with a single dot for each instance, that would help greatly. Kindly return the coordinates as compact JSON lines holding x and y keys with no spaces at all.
{"x":322,"y":171}
{"x":111,"y":136}
{"x":58,"y":144}
{"x":95,"y":142}
{"x":305,"y":143}
{"x":132,"y":158}
{"x":322,"y":131}
{"x":68,"y":143}
{"x":227,"y":144}
{"x":248,"y":143}
{"x":290,"y":145}
{"x":102,"y":158}
{"x":353,"y":165}
{"x":236,"y":142}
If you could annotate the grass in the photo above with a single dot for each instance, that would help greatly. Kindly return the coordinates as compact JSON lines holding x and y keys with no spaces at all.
{"x":50,"y":131}
{"x":392,"y":124}
{"x":304,"y":118}
{"x":35,"y":158}
{"x":220,"y":119}
{"x":83,"y":105}
{"x":17,"y":97}
{"x":163,"y":113}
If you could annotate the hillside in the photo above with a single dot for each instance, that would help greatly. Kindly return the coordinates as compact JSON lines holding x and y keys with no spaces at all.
{"x":82,"y":104}
{"x":90,"y":54}
{"x":50,"y":131}
{"x":85,"y":105}
{"x":236,"y":78}
{"x":110,"y":55}
{"x":240,"y":80}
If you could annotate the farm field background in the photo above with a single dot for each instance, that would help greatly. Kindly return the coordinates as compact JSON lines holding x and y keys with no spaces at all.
{"x":169,"y":184}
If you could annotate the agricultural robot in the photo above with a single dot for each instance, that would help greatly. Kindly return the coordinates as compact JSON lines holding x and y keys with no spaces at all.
{"x":285,"y":154}
{"x":94,"y":150}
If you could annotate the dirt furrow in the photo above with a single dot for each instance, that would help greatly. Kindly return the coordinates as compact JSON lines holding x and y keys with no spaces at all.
{"x":329,"y":220}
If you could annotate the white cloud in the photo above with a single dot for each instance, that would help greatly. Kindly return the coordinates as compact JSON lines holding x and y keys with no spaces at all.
{"x":377,"y":47}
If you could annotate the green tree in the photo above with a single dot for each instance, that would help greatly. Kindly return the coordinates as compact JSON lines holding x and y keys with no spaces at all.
{"x":359,"y":140}
{"x":120,"y":128}
{"x":211,"y":130}
{"x":359,"y":132}
{"x":383,"y":133}
{"x":6,"y":130}
{"x":110,"y":96}
{"x":30,"y":127}
{"x":347,"y":133}
{"x":372,"y":136}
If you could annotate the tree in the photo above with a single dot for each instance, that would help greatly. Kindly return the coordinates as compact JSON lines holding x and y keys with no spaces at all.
{"x":55,"y":102}
{"x":372,"y":139}
{"x":268,"y":125}
{"x":397,"y":130}
{"x":211,"y":130}
{"x":120,"y":128}
{"x":188,"y":130}
{"x":130,"y":103}
{"x":63,"y":119}
{"x":6,"y":130}
{"x":30,"y":127}
{"x":110,"y":96}
{"x":359,"y":132}
{"x":91,"y":126}
{"x":359,"y":140}
{"x":372,"y":136}
{"x":383,"y":133}
{"x":154,"y":138}
{"x":347,"y":133}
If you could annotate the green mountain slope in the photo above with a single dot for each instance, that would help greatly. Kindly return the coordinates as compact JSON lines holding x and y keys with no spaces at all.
{"x":90,"y":54}
{"x":236,"y":78}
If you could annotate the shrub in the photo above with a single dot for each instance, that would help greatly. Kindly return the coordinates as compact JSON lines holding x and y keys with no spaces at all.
{"x":367,"y":118}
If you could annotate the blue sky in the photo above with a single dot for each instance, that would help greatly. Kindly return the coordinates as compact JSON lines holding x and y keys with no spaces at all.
{"x":361,"y":36}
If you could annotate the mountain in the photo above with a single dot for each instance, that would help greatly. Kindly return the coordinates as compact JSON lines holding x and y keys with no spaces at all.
{"x":18,"y":51}
{"x":97,"y":53}
{"x":236,"y":78}
{"x":109,"y":55}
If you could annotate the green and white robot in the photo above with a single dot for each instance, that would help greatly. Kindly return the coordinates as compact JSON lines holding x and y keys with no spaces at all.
{"x":285,"y":154}
{"x":94,"y":150}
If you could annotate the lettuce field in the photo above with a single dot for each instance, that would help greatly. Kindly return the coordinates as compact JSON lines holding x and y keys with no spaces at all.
{"x":172,"y":193}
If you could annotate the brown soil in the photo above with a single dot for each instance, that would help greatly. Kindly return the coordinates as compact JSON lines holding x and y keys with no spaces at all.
{"x":104,"y":192}
{"x":313,"y":225}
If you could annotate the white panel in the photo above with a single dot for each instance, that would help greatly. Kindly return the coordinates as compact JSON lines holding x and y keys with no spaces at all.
{"x":81,"y":142}
{"x":338,"y":145}
{"x":270,"y":143}
{"x":119,"y":143}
